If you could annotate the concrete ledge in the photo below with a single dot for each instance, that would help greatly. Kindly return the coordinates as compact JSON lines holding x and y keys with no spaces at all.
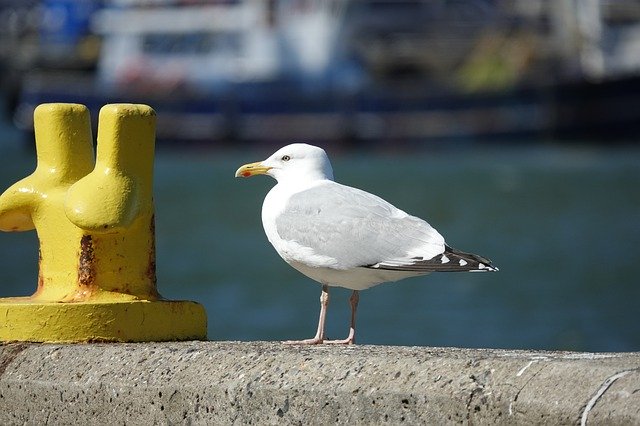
{"x":269,"y":383}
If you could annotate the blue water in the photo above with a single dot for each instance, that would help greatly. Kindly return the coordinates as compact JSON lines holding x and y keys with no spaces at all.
{"x":562,"y":223}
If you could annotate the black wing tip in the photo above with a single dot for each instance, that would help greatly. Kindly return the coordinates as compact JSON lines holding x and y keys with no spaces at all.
{"x":469,"y":261}
{"x":451,"y":260}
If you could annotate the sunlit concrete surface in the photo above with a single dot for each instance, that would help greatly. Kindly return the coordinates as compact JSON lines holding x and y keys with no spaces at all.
{"x":268,"y":383}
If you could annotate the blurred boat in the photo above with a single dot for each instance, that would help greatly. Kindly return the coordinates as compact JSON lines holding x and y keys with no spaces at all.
{"x":358,"y":72}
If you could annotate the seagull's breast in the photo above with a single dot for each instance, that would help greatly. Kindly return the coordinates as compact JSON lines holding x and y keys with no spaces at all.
{"x":290,"y":249}
{"x":272,"y":206}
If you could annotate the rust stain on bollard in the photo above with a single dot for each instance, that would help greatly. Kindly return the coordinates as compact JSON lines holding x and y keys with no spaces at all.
{"x":40,"y":275}
{"x":86,"y":265}
{"x":151,"y":268}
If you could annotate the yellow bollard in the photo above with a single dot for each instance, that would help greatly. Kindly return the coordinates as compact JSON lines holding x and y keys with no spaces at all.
{"x":96,"y":278}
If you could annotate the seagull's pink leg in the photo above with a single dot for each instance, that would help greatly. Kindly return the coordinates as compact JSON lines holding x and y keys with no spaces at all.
{"x":351,"y":339}
{"x":319,"y":337}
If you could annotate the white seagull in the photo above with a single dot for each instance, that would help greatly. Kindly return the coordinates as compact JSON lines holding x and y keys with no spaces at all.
{"x":343,"y":236}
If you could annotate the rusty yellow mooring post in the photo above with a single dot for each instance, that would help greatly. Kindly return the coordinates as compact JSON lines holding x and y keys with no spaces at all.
{"x":95,"y":224}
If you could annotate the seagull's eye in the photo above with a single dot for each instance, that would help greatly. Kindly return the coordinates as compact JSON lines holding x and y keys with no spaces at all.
{"x":285,"y":158}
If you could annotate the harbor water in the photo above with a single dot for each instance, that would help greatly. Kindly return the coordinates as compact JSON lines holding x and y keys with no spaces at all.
{"x":561,"y":222}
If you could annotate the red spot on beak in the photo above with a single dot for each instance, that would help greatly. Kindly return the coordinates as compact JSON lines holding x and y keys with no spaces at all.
{"x":246,"y":174}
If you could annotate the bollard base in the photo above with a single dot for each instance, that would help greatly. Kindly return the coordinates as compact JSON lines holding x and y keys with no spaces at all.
{"x":121,"y":321}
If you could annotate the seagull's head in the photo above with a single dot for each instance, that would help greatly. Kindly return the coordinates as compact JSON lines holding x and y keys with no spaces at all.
{"x":293,"y":163}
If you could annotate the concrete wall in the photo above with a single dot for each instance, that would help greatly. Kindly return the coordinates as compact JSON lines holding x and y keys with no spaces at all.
{"x":269,"y":383}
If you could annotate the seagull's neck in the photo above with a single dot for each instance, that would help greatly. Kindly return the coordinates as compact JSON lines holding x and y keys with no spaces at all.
{"x":293,"y":179}
{"x":296,"y":185}
{"x":285,"y":188}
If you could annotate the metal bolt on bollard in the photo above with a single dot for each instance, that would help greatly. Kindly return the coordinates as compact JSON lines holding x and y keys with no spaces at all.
{"x":95,"y":225}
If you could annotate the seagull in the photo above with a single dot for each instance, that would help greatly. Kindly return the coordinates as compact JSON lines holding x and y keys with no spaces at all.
{"x":342,"y":236}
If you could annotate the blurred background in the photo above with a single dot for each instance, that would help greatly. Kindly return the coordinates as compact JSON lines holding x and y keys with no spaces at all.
{"x":512,"y":126}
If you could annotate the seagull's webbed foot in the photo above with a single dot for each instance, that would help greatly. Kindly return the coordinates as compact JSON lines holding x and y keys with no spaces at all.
{"x":348,"y":341}
{"x":339,"y":342}
{"x":312,"y":341}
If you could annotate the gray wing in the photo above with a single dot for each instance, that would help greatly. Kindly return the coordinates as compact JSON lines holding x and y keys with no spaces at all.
{"x":355,"y":228}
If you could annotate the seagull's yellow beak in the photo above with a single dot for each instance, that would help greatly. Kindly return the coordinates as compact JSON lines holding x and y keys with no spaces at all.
{"x":252,"y":169}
